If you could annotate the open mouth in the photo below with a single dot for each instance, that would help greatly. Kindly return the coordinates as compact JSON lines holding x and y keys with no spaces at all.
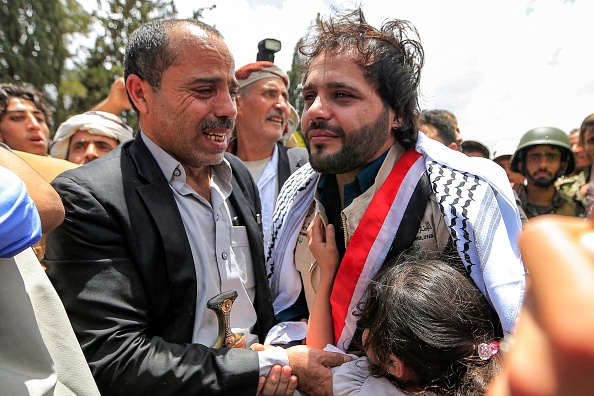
{"x":280,"y":120}
{"x":37,"y":140}
{"x":216,"y":137}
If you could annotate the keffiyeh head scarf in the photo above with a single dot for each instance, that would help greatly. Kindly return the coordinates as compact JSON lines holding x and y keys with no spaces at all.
{"x":253,"y":72}
{"x":94,"y":122}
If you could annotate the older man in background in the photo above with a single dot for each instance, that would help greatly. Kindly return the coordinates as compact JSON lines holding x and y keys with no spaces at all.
{"x":264,"y":118}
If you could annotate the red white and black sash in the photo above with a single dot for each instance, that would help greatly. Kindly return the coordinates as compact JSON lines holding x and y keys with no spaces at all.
{"x":475,"y":200}
{"x":371,"y":242}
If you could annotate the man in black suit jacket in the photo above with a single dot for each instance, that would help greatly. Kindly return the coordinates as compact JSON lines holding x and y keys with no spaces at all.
{"x":153,"y":227}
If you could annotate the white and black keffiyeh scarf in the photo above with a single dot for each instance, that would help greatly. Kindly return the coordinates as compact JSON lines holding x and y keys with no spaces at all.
{"x":476,"y":201}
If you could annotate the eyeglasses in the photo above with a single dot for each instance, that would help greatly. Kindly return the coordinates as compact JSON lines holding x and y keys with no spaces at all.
{"x":537,"y":157}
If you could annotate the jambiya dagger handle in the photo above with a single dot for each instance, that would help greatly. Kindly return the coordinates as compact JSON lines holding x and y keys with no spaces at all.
{"x":221,"y":304}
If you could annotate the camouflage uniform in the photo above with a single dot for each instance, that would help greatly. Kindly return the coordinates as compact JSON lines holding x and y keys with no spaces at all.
{"x":562,"y":204}
{"x":571,"y":185}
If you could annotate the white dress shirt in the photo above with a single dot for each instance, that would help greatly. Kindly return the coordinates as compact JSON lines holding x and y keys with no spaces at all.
{"x":221,"y":253}
{"x":267,"y":183}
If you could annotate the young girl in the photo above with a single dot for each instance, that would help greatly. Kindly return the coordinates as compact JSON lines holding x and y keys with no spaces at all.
{"x":426,"y":328}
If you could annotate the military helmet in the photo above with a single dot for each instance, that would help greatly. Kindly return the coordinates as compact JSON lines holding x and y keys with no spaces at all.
{"x":544,"y":135}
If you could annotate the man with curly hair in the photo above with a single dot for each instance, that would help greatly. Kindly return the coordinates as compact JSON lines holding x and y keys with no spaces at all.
{"x":384,"y":187}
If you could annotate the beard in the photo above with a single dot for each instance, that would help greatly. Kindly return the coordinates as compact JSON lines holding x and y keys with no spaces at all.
{"x":542,"y":181}
{"x":359,"y":147}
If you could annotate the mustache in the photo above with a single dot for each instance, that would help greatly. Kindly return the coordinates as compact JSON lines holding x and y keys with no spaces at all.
{"x":324,"y":125}
{"x":223,"y":123}
{"x":548,"y":172}
{"x":276,"y":112}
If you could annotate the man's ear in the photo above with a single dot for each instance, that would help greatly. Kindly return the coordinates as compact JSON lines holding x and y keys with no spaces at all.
{"x":454,"y":146}
{"x":395,"y":121}
{"x":138,"y":89}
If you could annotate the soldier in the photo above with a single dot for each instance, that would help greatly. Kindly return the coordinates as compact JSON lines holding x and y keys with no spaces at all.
{"x":543,"y":155}
{"x":576,"y":184}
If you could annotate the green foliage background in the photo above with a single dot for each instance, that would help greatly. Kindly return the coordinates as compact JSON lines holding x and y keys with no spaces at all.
{"x":37,"y":37}
{"x":34,"y":40}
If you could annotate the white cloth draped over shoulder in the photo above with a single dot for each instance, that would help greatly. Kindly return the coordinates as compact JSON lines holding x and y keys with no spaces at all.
{"x":476,"y":201}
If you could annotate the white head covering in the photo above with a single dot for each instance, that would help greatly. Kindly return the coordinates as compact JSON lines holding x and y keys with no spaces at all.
{"x":94,"y":122}
{"x":505,"y":147}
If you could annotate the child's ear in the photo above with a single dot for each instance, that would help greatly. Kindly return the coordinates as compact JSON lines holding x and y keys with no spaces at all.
{"x":400,"y":370}
{"x":395,"y":366}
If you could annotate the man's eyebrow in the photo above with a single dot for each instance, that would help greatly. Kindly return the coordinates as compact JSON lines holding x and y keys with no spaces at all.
{"x":213,"y":80}
{"x":23,"y":111}
{"x":92,"y":139}
{"x":333,"y":85}
{"x":208,"y":80}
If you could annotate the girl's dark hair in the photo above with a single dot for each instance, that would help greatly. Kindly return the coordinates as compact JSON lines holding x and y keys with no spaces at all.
{"x":391,"y":56}
{"x":432,"y":317}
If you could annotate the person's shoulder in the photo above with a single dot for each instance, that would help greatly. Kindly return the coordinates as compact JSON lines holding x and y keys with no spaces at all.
{"x":237,"y":166}
{"x":565,"y":204}
{"x":563,"y":196}
{"x":240,"y":172}
{"x":568,"y":184}
{"x":12,"y":185}
{"x":102,"y":174}
{"x":298,"y":156}
{"x":298,"y":152}
{"x":47,"y":167}
{"x":20,"y":224}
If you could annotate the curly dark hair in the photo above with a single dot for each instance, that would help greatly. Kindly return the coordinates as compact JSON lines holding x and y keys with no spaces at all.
{"x":391,"y":56}
{"x":432,"y":317}
{"x":26,"y":92}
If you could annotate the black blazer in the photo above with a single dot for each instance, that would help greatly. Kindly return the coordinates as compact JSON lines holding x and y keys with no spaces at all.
{"x":122,"y":265}
{"x":289,"y":160}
